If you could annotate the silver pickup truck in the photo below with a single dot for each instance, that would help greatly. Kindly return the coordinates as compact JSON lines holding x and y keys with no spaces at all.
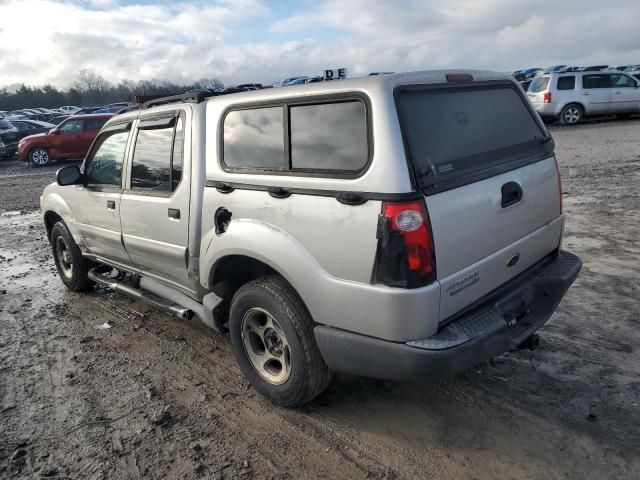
{"x":400,"y":227}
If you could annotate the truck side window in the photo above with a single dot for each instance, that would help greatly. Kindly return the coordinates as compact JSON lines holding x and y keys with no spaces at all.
{"x":254,"y":138}
{"x":178,"y":148}
{"x":94,"y":123}
{"x":567,"y":83}
{"x":596,"y":81}
{"x":329,"y":136}
{"x":104,"y":165}
{"x":72,"y":126}
{"x":157,"y":156}
{"x":622,"y":81}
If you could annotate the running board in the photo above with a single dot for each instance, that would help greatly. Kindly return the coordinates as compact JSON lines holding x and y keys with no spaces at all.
{"x":181,"y":305}
{"x":119,"y":287}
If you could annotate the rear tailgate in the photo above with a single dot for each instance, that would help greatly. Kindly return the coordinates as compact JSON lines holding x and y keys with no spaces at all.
{"x":486,"y":166}
{"x":537,"y":89}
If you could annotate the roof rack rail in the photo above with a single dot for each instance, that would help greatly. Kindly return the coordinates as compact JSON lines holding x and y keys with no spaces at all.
{"x":189,"y":97}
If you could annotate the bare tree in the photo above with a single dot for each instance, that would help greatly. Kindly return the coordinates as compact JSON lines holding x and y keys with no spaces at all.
{"x":208,"y":83}
{"x":90,"y":88}
{"x":93,"y":84}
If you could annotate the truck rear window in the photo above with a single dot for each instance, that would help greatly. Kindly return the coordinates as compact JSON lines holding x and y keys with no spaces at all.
{"x":452,"y":133}
{"x":538,"y":84}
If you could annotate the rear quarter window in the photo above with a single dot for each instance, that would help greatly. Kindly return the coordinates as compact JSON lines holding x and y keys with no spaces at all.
{"x":322,"y":137}
{"x":330,"y":136}
{"x":254,"y":138}
{"x":566,"y":83}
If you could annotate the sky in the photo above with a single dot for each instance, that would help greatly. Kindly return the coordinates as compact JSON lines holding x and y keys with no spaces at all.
{"x":240,"y":41}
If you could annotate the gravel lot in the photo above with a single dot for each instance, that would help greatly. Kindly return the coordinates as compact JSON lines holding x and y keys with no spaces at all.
{"x":155,"y":397}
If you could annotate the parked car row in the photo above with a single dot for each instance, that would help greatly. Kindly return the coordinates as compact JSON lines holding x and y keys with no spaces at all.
{"x":11,"y":132}
{"x":56,"y":115}
{"x":71,"y":139}
{"x":41,"y":142}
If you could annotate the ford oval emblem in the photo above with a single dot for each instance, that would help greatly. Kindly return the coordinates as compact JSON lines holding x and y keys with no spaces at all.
{"x":513,"y":260}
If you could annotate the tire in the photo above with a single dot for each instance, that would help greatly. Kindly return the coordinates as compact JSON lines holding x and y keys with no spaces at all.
{"x":39,"y":157}
{"x":571,"y":114}
{"x":72,"y":266}
{"x":273,"y":342}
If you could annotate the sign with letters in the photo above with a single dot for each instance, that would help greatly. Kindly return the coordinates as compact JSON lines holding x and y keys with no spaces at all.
{"x":335,"y":74}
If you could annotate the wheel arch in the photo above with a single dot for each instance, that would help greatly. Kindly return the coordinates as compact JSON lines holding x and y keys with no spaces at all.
{"x":50,"y":219}
{"x":230,"y":272}
{"x":56,"y":209}
{"x":33,"y":146}
{"x":577,"y":103}
{"x":249,"y":249}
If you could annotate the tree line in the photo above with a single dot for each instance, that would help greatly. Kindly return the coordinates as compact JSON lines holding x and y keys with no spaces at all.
{"x":90,"y":88}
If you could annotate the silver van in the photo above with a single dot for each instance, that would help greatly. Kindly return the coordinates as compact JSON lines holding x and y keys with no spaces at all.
{"x":402,"y":227}
{"x":571,"y":96}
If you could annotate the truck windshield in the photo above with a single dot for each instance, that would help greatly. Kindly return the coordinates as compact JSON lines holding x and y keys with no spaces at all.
{"x":452,"y":133}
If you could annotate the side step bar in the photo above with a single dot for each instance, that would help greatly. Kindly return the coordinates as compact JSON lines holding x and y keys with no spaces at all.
{"x":119,"y":287}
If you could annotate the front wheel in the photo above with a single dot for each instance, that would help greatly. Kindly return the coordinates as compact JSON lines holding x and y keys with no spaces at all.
{"x":72,"y":266}
{"x":39,"y":157}
{"x":571,"y":114}
{"x":273,"y":342}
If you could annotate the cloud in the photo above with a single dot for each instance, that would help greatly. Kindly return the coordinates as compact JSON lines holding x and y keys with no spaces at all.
{"x":252,"y":40}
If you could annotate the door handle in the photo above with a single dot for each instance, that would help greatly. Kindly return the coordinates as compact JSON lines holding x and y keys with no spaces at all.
{"x":617,"y":92}
{"x":174,"y":213}
{"x":585,"y":93}
{"x":511,"y":194}
{"x":111,"y":204}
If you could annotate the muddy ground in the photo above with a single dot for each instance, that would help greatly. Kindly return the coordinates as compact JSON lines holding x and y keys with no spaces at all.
{"x":156,"y":397}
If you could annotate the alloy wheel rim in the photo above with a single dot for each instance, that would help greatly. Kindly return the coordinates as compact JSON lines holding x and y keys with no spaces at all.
{"x":266,"y":346}
{"x":63,"y":253}
{"x":572,"y":115}
{"x":40,"y":157}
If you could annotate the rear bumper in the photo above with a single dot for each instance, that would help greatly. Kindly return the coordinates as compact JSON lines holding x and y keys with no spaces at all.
{"x":503,"y":320}
{"x":548,"y":110}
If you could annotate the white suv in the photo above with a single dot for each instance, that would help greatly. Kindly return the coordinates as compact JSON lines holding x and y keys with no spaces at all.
{"x":571,"y":96}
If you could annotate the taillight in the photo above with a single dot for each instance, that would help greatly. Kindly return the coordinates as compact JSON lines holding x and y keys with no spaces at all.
{"x":559,"y":183}
{"x":546,"y":97}
{"x":405,"y":255}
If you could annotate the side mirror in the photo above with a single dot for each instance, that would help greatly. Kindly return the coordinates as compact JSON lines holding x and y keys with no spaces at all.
{"x":70,"y":175}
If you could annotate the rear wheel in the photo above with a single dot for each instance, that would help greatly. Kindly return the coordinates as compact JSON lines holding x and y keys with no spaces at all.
{"x":72,"y":266}
{"x":272,"y":337}
{"x":39,"y":157}
{"x":571,"y":114}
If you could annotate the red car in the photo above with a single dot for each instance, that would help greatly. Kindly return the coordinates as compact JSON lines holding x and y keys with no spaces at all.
{"x":71,"y":139}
